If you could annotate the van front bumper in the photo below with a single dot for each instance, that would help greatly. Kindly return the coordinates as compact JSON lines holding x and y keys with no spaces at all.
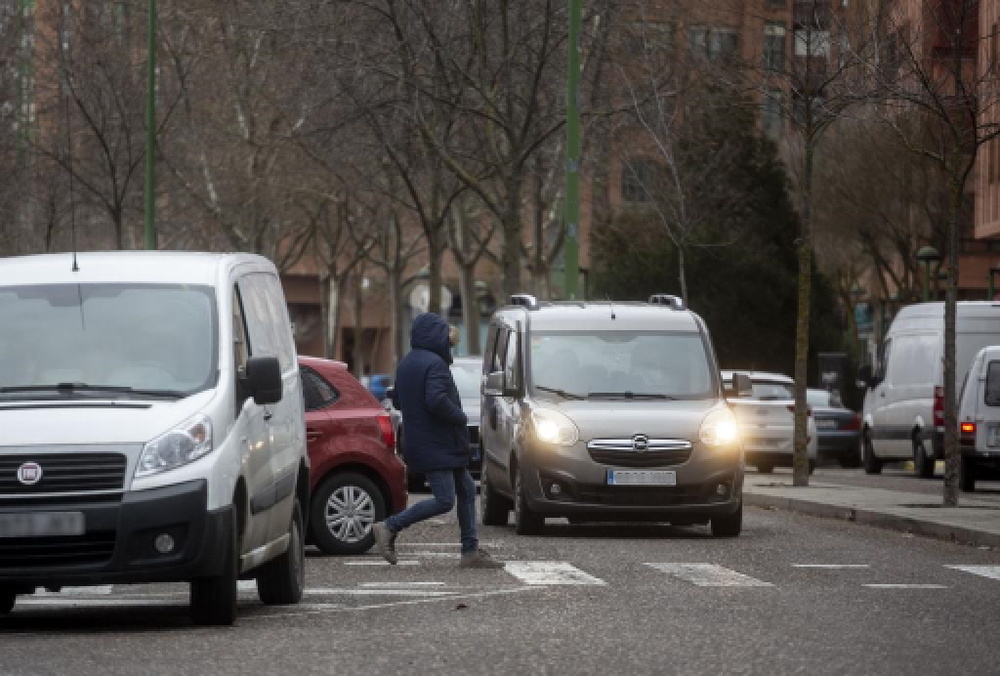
{"x":118,"y":544}
{"x":583,"y":490}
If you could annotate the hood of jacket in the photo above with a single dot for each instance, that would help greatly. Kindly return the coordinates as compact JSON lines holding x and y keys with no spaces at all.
{"x":430,"y":332}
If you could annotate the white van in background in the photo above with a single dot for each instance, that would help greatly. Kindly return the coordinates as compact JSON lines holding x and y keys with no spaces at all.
{"x":979,"y":418}
{"x":151,"y":427}
{"x":903,"y":414}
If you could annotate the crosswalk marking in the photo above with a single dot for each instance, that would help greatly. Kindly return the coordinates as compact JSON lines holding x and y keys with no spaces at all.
{"x":381,"y":563}
{"x":992,"y":572}
{"x":550,"y":572}
{"x":99,"y":589}
{"x":830,"y":565}
{"x":402,"y":584}
{"x":708,"y":575}
{"x":906,"y":586}
{"x":395,"y":591}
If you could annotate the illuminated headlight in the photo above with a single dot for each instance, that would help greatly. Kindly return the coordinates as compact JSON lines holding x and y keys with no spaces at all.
{"x":552,"y":427}
{"x":719,"y":428}
{"x":181,"y":445}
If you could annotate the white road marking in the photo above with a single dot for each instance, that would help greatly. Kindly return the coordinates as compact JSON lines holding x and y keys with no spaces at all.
{"x":992,"y":572}
{"x":106,"y":602}
{"x":906,"y":586}
{"x":708,"y":575}
{"x":380,"y":563}
{"x":830,"y":565}
{"x":381,"y":585}
{"x":550,"y":572}
{"x":379,"y":592}
{"x":433,"y":555}
{"x":82,"y":591}
{"x":247,"y":585}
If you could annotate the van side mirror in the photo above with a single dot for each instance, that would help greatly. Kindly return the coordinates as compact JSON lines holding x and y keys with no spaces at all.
{"x":866,"y":378}
{"x":493,"y":387}
{"x":742,"y":385}
{"x":263,"y":380}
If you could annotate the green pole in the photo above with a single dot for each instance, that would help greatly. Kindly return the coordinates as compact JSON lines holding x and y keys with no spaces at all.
{"x":927,"y":281}
{"x":150,"y":203}
{"x":572,"y":254}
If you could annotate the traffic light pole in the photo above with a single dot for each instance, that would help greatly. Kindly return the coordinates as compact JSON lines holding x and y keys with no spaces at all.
{"x":150,"y":196}
{"x":573,"y":152}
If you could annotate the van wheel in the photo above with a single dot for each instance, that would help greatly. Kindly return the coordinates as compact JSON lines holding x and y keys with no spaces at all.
{"x":344,"y":508}
{"x":922,"y":463}
{"x":872,"y":464}
{"x":728,"y":526}
{"x":495,"y":509}
{"x":7,"y":601}
{"x":213,"y":599}
{"x":526,"y":522}
{"x":967,"y":475}
{"x":282,"y":581}
{"x":764,"y":468}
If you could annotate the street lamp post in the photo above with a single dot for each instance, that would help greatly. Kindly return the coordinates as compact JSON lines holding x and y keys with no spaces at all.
{"x":992,"y":282}
{"x":150,"y":196}
{"x":927,"y":255}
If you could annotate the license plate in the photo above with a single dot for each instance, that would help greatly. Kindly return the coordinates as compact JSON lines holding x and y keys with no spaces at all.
{"x":826,"y":424}
{"x":41,"y":524}
{"x":993,"y":435}
{"x":632,"y":477}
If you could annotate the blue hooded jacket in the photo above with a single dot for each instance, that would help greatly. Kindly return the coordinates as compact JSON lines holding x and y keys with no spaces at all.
{"x":434,"y":425}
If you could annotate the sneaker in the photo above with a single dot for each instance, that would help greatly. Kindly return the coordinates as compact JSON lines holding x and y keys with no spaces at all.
{"x":385,"y":542}
{"x":479,"y":559}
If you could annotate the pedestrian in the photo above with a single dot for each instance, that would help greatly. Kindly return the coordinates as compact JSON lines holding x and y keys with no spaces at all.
{"x":437,"y":441}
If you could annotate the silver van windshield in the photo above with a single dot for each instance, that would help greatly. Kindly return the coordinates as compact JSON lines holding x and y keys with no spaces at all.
{"x":107,"y":340}
{"x":629,"y":364}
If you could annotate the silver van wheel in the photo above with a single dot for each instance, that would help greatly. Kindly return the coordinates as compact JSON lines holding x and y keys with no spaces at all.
{"x":7,"y":601}
{"x":872,"y":464}
{"x":922,"y":463}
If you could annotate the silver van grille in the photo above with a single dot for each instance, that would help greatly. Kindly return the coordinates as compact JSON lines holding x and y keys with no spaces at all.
{"x":640,"y":451}
{"x":63,"y":473}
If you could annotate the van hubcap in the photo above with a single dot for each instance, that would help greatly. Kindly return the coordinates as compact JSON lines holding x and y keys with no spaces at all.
{"x":350,"y":513}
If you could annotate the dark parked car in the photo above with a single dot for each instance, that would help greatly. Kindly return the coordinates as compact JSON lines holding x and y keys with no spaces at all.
{"x":355,"y":476}
{"x":467,"y":372}
{"x":838,"y":428}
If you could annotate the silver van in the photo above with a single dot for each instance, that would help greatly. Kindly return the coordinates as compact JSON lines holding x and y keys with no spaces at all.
{"x":979,"y":418}
{"x":151,"y":427}
{"x":903,"y":413}
{"x":607,"y":411}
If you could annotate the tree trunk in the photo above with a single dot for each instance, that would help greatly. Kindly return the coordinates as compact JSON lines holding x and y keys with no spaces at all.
{"x":800,"y":459}
{"x":952,"y":455}
{"x":682,"y":274}
{"x":358,"y":353}
{"x":395,"y":324}
{"x":333,"y":305}
{"x":434,"y":255}
{"x":511,"y":254}
{"x":470,"y":309}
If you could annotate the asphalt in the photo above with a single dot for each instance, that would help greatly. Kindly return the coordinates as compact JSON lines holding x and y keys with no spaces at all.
{"x":975,"y":522}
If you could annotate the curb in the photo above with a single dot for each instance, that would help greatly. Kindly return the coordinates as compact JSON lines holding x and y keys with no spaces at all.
{"x":922,"y":527}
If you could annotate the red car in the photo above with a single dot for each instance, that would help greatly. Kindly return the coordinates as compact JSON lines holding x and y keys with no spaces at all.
{"x":355,"y":477}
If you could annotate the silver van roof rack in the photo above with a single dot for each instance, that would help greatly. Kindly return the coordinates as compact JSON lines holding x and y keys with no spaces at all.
{"x":524,"y":300}
{"x":674,"y":302}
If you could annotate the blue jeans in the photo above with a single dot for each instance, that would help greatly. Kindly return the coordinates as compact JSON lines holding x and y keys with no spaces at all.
{"x":445,"y":485}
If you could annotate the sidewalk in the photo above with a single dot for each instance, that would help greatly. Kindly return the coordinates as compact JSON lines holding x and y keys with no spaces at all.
{"x":974,"y":522}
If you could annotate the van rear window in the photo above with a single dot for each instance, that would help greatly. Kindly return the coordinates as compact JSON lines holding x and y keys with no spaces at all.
{"x":993,"y":384}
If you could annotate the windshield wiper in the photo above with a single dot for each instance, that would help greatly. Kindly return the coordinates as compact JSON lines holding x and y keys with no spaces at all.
{"x":630,"y":395}
{"x":69,"y":388}
{"x":562,"y":393}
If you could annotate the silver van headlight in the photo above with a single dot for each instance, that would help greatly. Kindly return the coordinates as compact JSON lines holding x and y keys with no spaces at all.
{"x":719,"y":428}
{"x":552,"y":427}
{"x":181,"y":445}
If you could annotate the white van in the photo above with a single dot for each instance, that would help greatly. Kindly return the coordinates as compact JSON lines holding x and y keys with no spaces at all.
{"x":903,"y":415}
{"x":151,"y":427}
{"x":979,"y":418}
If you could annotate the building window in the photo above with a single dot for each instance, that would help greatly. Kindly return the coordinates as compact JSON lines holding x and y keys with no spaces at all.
{"x":771,"y":112}
{"x":774,"y":47}
{"x":714,"y":43}
{"x":648,"y":37}
{"x":638,"y":180}
{"x":812,"y":43}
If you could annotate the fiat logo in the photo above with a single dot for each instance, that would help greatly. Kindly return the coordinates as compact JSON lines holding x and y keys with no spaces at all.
{"x":30,"y":473}
{"x":640,"y":443}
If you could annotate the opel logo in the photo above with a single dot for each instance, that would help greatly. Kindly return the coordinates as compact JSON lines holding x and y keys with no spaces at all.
{"x":30,"y":473}
{"x":640,"y":443}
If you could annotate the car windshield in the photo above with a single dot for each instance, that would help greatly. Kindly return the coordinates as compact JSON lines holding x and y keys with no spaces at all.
{"x":107,"y":340}
{"x":467,"y":375}
{"x":628,"y":364}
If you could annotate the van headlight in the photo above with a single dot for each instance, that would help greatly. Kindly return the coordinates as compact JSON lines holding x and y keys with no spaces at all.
{"x":181,"y":445}
{"x":552,"y":427}
{"x":719,"y":428}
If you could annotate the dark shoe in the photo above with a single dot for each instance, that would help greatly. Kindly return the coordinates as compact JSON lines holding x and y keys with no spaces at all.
{"x":479,"y":559}
{"x":385,"y":542}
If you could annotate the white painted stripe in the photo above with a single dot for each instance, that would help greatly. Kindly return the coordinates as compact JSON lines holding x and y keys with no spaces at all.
{"x":830,"y":565}
{"x":247,"y":585}
{"x":550,"y":572}
{"x":82,"y":591}
{"x":380,"y":563}
{"x":382,"y":585}
{"x":90,"y":603}
{"x":906,"y":586}
{"x":433,"y":555}
{"x":378,"y":592}
{"x":992,"y":572}
{"x":708,"y":575}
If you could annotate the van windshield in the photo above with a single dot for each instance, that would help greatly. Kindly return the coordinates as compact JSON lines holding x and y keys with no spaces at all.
{"x":625,"y":364}
{"x":107,"y":340}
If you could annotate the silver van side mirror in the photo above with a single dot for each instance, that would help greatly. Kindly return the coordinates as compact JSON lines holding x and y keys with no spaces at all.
{"x":263,"y":380}
{"x":493,"y":387}
{"x":742,"y":385}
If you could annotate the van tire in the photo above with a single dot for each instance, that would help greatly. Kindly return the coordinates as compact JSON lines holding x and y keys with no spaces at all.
{"x":213,"y":599}
{"x":7,"y":601}
{"x":494,"y":508}
{"x":526,"y":522}
{"x":923,"y":465}
{"x":321,"y":535}
{"x":281,"y":581}
{"x":728,"y":526}
{"x":764,"y":468}
{"x":871,"y":463}
{"x":967,"y":476}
